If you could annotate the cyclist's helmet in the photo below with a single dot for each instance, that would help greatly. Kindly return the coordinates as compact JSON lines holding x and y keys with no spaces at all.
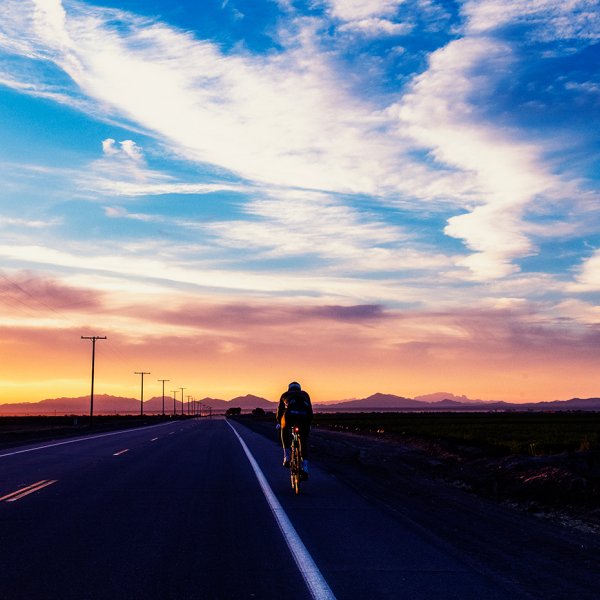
{"x":294,"y":386}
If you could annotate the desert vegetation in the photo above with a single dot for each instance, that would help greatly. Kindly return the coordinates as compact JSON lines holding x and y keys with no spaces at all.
{"x":530,"y":433}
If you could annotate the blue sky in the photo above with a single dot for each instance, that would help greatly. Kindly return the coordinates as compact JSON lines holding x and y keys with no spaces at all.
{"x":264,"y":161}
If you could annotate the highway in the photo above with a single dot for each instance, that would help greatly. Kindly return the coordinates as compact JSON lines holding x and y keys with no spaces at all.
{"x":189,"y":509}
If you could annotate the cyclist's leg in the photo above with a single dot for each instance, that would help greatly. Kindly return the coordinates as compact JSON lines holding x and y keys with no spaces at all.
{"x":286,"y":441}
{"x":304,"y":430}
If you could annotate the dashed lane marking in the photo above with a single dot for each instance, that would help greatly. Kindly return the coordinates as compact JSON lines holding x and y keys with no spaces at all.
{"x":76,"y":441}
{"x":121,"y":452}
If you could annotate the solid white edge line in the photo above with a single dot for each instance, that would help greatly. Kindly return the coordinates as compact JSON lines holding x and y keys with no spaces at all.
{"x":318,"y":587}
{"x":79,"y":439}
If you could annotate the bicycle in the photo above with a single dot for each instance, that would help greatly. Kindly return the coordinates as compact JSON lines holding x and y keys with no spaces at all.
{"x":296,"y":460}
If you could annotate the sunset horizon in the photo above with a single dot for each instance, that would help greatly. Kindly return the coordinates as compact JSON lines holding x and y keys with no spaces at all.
{"x":382,"y":196}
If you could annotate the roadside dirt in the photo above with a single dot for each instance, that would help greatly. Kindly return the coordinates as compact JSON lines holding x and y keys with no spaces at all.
{"x":534,"y":520}
{"x":564,"y":488}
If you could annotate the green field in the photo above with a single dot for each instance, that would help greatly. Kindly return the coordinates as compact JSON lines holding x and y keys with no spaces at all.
{"x":504,"y":433}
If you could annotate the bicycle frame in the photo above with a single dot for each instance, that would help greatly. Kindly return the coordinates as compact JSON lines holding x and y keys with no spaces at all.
{"x":295,"y":460}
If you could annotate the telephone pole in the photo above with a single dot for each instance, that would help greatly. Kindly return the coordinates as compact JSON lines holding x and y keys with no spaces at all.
{"x":93,"y":338}
{"x":174,"y":402}
{"x":142,"y":373}
{"x":182,"y":404}
{"x":163,"y":382}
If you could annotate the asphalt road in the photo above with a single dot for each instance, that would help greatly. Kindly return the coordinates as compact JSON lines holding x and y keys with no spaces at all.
{"x":178,"y":511}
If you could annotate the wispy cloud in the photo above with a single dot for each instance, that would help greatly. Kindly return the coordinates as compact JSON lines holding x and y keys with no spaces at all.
{"x":587,"y":276}
{"x":375,"y":27}
{"x":578,"y":19}
{"x":355,"y":10}
{"x":124,"y":171}
{"x":290,"y":119}
{"x":508,"y":173}
{"x":26,"y":290}
{"x":285,"y":119}
{"x":27,"y":223}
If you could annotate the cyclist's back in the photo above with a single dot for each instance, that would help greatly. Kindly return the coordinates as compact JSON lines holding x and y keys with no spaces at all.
{"x":295,"y":408}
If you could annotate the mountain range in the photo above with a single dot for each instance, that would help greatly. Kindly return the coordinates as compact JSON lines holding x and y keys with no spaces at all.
{"x":439,"y":401}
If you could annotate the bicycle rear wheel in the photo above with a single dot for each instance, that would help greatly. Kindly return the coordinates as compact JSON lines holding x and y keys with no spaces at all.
{"x":295,"y":469}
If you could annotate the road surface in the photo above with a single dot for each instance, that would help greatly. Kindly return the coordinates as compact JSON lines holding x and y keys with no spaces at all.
{"x":190,"y":510}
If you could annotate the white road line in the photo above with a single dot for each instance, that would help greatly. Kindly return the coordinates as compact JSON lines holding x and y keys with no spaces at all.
{"x":153,"y":439}
{"x":121,"y":452}
{"x":318,"y":587}
{"x":76,"y":440}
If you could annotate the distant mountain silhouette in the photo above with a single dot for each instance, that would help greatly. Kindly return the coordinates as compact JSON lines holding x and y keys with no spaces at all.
{"x":376,"y":401}
{"x":444,"y":401}
{"x":250,"y":401}
{"x":106,"y":404}
{"x":572,"y":404}
{"x":441,"y":396}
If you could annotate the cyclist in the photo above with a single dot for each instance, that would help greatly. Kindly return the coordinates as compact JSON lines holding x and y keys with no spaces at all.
{"x":295,"y":408}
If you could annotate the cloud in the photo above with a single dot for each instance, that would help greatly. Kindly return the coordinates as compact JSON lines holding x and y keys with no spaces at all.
{"x":126,"y":149}
{"x":285,"y":119}
{"x":292,"y":119}
{"x":244,"y":317}
{"x":375,"y":27}
{"x":577,"y":311}
{"x":356,"y":10}
{"x":118,"y":212}
{"x":587,"y":277}
{"x":298,"y":223}
{"x":28,"y":223}
{"x":32,"y":292}
{"x":129,"y":188}
{"x":123,"y":171}
{"x":507,"y":174}
{"x":549,"y":20}
{"x":139,"y":265}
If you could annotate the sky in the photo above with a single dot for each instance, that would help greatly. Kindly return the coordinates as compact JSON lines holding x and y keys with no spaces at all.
{"x":396,"y":196}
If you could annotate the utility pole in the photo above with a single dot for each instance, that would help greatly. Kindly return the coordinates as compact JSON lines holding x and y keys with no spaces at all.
{"x":182,"y":404}
{"x":174,"y":402}
{"x":163,"y":382}
{"x":93,"y":338}
{"x":142,"y":373}
{"x":189,"y":405}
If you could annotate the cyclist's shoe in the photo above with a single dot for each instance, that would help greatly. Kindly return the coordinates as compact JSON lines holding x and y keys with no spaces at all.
{"x":303,"y":475}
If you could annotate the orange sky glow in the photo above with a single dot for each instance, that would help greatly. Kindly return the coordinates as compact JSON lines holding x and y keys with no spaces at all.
{"x":222,"y":349}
